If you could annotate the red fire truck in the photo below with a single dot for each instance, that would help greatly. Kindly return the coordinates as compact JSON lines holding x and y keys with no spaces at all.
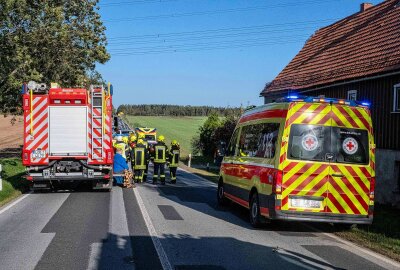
{"x":67,"y":136}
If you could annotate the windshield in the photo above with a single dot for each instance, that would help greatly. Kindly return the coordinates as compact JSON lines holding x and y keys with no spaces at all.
{"x":326,"y":143}
{"x":150,"y":137}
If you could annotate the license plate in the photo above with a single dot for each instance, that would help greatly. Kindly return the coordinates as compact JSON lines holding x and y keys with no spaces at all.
{"x":38,"y":154}
{"x":305,"y":203}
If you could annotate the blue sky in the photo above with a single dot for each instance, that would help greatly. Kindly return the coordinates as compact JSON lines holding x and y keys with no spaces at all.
{"x":207,"y":52}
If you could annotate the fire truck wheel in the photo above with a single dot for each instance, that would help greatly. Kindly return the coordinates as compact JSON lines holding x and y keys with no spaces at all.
{"x":255,"y":217}
{"x":220,"y":193}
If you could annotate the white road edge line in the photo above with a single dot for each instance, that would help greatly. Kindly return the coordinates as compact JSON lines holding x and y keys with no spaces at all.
{"x":166,"y":265}
{"x":352,"y":245}
{"x":13,"y":203}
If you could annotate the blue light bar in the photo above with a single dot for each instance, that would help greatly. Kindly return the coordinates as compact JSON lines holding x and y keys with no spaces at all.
{"x":292,"y":97}
{"x":366,"y":104}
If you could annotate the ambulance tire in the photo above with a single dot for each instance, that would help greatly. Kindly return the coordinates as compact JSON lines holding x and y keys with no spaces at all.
{"x":255,"y":215}
{"x":221,"y":199}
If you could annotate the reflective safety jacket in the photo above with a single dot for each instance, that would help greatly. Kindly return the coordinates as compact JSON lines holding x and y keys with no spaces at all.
{"x":160,"y":152}
{"x":174,"y":154}
{"x":140,"y":157}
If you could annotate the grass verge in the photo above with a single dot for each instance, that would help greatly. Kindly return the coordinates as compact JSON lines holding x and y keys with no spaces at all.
{"x":209,"y":175}
{"x":382,"y":236}
{"x":13,"y":183}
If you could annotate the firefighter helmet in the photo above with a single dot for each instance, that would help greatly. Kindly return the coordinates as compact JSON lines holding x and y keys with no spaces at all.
{"x":174,"y":142}
{"x":119,"y":138}
{"x":132,"y":138}
{"x":161,"y":138}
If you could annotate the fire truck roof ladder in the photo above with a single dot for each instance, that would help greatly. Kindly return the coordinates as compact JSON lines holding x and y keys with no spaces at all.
{"x":97,"y":96}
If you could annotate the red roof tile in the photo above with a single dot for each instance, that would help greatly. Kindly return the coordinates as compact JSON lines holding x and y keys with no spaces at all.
{"x":362,"y":44}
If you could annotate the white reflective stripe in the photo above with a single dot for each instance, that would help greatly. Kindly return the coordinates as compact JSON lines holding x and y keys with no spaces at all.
{"x":35,"y":120}
{"x":36,"y":140}
{"x":251,"y":164}
{"x":37,"y":107}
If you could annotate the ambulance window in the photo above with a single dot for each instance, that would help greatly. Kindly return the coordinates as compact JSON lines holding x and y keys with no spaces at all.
{"x":259,"y":140}
{"x":230,"y":151}
{"x":309,"y":142}
{"x":350,"y":145}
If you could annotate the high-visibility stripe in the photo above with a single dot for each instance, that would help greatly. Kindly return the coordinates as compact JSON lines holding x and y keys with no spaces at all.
{"x":343,"y":195}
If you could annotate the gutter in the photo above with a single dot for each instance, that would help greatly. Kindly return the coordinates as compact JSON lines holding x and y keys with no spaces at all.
{"x":337,"y":84}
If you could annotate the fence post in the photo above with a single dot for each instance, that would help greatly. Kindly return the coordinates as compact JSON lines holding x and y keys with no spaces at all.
{"x":190,"y":160}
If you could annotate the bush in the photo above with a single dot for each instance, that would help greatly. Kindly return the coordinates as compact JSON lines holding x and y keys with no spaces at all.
{"x":212,"y":133}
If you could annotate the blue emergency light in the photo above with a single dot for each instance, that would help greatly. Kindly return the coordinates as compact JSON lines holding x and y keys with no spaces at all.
{"x":292,"y":98}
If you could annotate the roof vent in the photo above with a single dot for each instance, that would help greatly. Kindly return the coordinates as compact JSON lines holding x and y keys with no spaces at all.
{"x":365,"y":6}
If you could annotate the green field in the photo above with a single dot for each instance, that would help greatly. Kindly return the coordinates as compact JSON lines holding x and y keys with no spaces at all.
{"x":13,"y":183}
{"x":182,"y":129}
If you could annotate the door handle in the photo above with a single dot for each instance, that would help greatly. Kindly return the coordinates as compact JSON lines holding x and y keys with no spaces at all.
{"x":337,"y":175}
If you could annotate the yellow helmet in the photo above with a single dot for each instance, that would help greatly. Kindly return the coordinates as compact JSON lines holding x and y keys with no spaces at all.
{"x":161,"y":138}
{"x":141,"y":136}
{"x":140,"y":141}
{"x":132,"y":138}
{"x":174,"y":142}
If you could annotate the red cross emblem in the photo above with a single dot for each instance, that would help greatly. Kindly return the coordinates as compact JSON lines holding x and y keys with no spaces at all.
{"x":350,"y":146}
{"x":309,"y":142}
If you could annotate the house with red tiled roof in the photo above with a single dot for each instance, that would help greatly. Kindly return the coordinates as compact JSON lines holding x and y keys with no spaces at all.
{"x":356,"y":58}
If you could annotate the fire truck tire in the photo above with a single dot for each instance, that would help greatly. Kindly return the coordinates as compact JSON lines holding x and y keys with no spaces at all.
{"x":255,"y":216}
{"x":221,"y":199}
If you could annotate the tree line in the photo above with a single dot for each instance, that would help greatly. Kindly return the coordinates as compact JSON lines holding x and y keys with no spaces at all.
{"x":49,"y":41}
{"x":176,"y":110}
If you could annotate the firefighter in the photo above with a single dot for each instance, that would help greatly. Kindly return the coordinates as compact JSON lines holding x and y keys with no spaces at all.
{"x":140,"y":157}
{"x":142,"y":136}
{"x":132,"y":144}
{"x":160,"y":158}
{"x":174,"y":154}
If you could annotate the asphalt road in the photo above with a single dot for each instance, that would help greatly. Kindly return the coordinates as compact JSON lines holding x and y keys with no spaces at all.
{"x":161,"y":227}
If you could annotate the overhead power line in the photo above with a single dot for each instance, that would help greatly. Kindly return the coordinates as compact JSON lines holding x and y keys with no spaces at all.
{"x":222,"y":30}
{"x":126,"y":3}
{"x":221,"y":11}
{"x":208,"y":37}
{"x":178,"y":50}
{"x":206,"y":44}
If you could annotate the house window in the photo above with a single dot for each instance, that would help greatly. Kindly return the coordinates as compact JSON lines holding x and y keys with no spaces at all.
{"x":352,"y":95}
{"x":396,"y":101}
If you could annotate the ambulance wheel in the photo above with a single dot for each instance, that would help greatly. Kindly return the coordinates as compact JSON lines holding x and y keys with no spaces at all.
{"x":220,"y":194}
{"x":255,"y":216}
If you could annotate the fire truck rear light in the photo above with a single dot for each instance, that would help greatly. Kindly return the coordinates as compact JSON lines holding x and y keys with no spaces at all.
{"x":78,"y":101}
{"x":26,"y":156}
{"x":107,"y":176}
{"x":57,"y":101}
{"x":30,"y":178}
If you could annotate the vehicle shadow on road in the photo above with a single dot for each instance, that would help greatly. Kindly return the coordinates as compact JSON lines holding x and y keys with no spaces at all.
{"x":195,"y":197}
